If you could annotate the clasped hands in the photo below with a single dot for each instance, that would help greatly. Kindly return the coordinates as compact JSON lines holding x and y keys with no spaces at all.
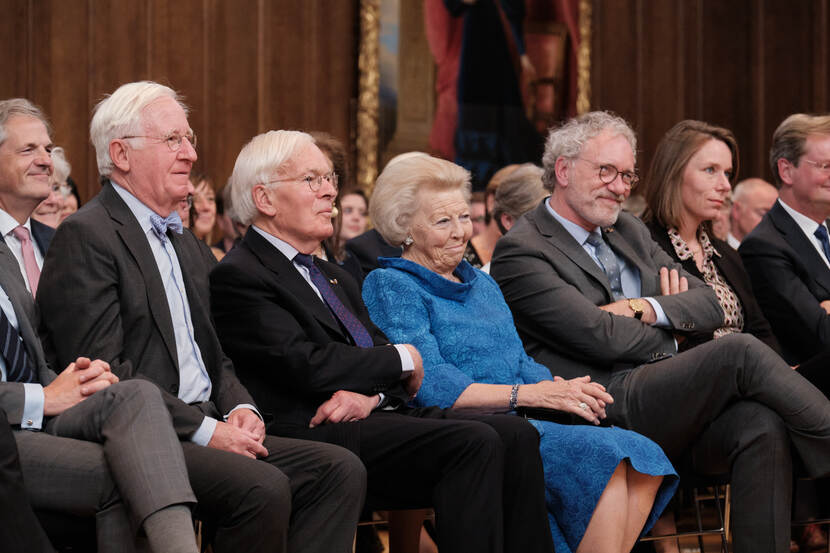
{"x":670,"y":283}
{"x":77,"y":382}
{"x":578,"y":395}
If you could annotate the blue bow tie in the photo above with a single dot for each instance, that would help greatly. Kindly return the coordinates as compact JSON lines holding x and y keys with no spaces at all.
{"x":161,"y":224}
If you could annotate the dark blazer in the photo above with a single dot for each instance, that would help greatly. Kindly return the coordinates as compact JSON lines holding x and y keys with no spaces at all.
{"x":42,"y":235}
{"x":790,"y":280}
{"x":101,"y":295}
{"x":367,"y":247}
{"x":554,"y":289}
{"x":288,"y":348}
{"x":12,"y":394}
{"x":730,"y":267}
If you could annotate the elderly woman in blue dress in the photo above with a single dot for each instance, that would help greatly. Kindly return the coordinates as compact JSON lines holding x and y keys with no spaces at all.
{"x":605,"y":485}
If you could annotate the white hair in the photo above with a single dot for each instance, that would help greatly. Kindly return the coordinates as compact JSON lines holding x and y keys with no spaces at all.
{"x":60,"y":166}
{"x":119,"y":115}
{"x":567,"y":141}
{"x":395,"y":196}
{"x":257,"y":163}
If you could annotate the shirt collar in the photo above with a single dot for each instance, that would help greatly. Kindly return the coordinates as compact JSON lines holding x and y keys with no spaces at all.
{"x":141,"y":212}
{"x":579,"y":234}
{"x":284,"y":247}
{"x":9,"y":223}
{"x":808,"y":226}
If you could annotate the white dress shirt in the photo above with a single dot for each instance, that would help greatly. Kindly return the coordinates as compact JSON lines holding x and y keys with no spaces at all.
{"x":808,"y":227}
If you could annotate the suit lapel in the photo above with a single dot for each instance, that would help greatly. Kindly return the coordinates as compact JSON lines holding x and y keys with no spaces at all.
{"x":290,"y":277}
{"x":559,"y":238}
{"x":136,"y":243}
{"x":804,"y":249}
{"x":24,"y":309}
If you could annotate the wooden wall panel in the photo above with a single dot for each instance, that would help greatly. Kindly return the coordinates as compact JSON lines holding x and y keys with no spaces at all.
{"x":243,"y":66}
{"x":742,"y":64}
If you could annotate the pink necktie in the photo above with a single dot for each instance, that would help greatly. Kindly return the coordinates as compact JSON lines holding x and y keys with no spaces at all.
{"x":29,"y":263}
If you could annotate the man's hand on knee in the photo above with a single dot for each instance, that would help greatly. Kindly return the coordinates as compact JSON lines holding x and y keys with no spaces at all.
{"x":78,"y":381}
{"x":236,"y":440}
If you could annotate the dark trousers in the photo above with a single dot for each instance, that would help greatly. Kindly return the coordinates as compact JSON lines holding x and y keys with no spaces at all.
{"x":304,"y":496}
{"x":20,"y":530}
{"x":732,"y":405}
{"x":482,"y":474}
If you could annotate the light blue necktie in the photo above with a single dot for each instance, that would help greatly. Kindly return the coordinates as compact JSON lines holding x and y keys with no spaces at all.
{"x":608,"y":262}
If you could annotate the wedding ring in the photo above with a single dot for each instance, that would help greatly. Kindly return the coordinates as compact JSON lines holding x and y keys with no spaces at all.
{"x":583,"y":406}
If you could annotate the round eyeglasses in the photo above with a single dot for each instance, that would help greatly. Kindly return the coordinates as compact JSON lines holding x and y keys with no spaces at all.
{"x":314,"y":182}
{"x":608,"y":173}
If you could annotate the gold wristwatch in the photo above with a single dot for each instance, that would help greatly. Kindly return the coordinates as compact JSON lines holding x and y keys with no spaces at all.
{"x":638,"y":306}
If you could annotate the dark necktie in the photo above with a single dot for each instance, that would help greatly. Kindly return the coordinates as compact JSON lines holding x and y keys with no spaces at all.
{"x":609,"y":264}
{"x":14,"y":353}
{"x":355,"y":328}
{"x":161,"y":224}
{"x":821,"y":234}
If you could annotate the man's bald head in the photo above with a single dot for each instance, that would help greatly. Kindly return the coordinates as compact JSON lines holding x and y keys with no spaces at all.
{"x":751,"y":199}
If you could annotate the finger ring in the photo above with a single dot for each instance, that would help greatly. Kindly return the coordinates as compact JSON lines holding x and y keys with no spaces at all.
{"x":582,"y":405}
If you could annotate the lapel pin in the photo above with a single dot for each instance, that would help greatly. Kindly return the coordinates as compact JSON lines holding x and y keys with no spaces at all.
{"x":608,"y":230}
{"x":333,"y":281}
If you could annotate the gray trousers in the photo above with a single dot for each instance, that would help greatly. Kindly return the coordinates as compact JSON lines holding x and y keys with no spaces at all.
{"x":114,"y":456}
{"x":732,"y":405}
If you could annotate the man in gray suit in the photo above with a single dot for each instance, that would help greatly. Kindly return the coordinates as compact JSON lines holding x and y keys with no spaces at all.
{"x":139,"y":300}
{"x":592,"y":294}
{"x":88,"y":444}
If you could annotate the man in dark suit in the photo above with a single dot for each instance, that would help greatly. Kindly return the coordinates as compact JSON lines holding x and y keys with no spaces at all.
{"x":88,"y":444}
{"x":786,"y":255}
{"x":301,"y":339}
{"x":139,"y":293}
{"x":592,"y":293}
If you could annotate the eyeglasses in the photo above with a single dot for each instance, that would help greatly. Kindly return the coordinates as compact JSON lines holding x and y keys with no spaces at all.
{"x":823,"y":166}
{"x":173,"y":140}
{"x":314,"y":183}
{"x":607,"y":174}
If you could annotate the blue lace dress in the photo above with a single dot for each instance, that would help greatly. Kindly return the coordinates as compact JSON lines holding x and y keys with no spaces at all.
{"x":465,"y":334}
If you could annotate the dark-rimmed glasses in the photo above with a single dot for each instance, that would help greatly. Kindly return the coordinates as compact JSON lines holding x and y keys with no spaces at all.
{"x":608,"y":172}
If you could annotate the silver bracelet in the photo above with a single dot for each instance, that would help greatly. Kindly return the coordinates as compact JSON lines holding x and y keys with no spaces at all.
{"x":514,"y":397}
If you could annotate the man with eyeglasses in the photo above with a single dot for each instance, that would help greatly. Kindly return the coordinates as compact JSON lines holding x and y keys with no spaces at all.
{"x":312,"y":357}
{"x":125,"y":283}
{"x":593,"y":294}
{"x":787,"y":255}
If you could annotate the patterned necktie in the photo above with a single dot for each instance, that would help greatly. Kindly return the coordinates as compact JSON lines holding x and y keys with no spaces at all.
{"x":14,"y":353}
{"x":609,"y":264}
{"x":355,"y":328}
{"x":29,"y":262}
{"x":161,"y":224}
{"x":821,"y":234}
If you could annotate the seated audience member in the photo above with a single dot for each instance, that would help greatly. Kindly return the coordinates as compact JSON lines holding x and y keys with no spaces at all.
{"x":480,"y":248}
{"x":333,"y":248}
{"x":88,"y":444}
{"x":751,"y":199}
{"x":232,"y":231}
{"x":787,"y":255}
{"x":473,"y":358}
{"x":516,"y":195}
{"x":203,"y":212}
{"x":138,"y":298}
{"x":317,"y":364}
{"x":183,"y":209}
{"x":71,"y":198}
{"x":478,"y":211}
{"x":49,"y":210}
{"x":721,"y":225}
{"x":687,"y":186}
{"x":592,"y":293}
{"x":370,"y":245}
